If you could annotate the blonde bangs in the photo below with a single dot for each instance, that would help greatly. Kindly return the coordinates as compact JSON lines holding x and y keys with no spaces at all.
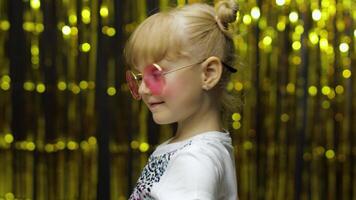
{"x":157,"y":38}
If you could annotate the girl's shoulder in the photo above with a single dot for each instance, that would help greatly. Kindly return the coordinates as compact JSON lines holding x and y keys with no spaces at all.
{"x":198,"y":166}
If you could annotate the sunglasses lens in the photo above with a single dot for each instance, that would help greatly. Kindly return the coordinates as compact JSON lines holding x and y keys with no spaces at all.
{"x":153,"y":79}
{"x":133,"y":85}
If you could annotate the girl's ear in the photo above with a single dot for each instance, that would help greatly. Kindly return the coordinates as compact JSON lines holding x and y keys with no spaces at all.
{"x":211,"y":72}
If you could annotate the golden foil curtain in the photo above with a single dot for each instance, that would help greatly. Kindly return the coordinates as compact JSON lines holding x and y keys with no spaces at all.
{"x":68,"y":127}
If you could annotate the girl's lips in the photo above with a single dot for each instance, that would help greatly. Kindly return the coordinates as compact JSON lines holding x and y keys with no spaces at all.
{"x":155,"y":105}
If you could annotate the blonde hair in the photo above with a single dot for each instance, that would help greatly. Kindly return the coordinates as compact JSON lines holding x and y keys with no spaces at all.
{"x":197,"y":29}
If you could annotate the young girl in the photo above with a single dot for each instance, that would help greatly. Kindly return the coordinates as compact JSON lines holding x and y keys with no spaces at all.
{"x":182,"y":61}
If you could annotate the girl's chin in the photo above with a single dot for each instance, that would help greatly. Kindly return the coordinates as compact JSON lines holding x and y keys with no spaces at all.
{"x":161,"y":120}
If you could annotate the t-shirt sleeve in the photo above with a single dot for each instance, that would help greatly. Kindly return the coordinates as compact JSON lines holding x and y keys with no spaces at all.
{"x":192,"y":174}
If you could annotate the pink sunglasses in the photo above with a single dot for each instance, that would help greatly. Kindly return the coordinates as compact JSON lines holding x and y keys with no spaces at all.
{"x":153,"y":76}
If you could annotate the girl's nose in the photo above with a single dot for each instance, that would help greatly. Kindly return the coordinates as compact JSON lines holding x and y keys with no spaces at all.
{"x":143,"y":89}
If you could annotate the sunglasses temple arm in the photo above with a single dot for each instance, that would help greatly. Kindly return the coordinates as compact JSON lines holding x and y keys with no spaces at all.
{"x":231,"y":69}
{"x":173,"y":70}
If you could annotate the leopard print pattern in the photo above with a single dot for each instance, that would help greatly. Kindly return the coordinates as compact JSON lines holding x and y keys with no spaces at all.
{"x":152,"y":173}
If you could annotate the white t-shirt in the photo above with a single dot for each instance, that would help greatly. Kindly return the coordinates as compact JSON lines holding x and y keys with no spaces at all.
{"x":201,"y":167}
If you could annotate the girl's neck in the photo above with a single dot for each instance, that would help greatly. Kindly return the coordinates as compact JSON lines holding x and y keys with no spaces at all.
{"x":207,"y":120}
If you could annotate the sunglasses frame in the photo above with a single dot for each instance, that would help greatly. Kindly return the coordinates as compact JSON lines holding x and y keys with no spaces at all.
{"x":139,"y":76}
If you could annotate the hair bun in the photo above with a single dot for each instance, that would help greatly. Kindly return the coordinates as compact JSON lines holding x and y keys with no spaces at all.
{"x":226,"y":11}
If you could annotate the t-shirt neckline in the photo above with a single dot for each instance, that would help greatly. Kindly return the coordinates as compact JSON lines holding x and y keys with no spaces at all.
{"x":167,"y":147}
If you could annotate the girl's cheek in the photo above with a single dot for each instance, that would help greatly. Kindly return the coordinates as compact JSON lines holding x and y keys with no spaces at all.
{"x":172,"y":89}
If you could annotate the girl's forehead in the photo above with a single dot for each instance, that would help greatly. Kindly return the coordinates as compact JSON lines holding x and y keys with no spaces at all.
{"x":158,"y":37}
